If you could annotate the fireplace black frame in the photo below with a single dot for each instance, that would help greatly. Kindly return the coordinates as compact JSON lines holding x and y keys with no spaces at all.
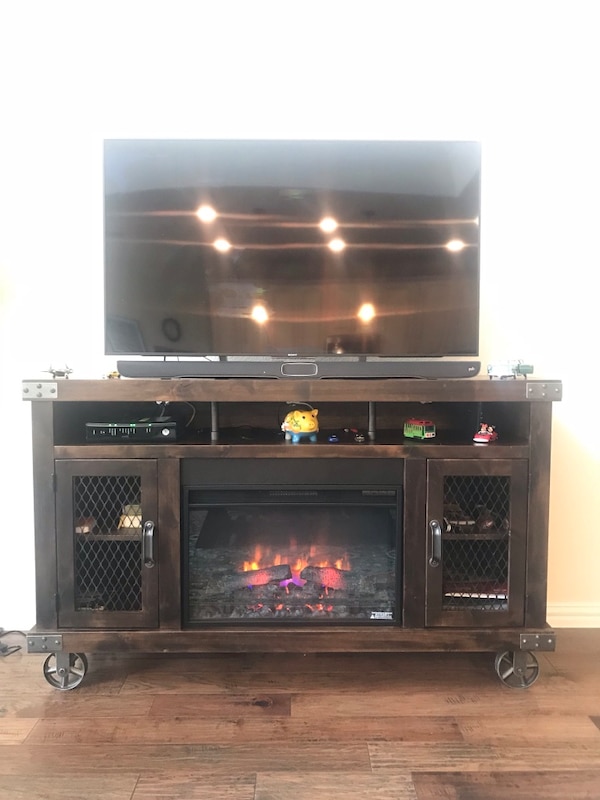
{"x":287,"y":484}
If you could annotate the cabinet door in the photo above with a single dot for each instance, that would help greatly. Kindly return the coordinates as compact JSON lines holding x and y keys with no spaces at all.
{"x":106,"y":543}
{"x":476,"y":553}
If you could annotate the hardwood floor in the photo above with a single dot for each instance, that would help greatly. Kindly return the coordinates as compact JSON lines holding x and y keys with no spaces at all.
{"x":272,"y":727}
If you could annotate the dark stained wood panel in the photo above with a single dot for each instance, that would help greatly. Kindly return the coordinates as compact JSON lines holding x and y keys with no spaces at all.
{"x":294,"y":390}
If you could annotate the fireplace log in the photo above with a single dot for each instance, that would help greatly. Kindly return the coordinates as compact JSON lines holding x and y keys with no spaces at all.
{"x":257,"y":577}
{"x":331,"y":577}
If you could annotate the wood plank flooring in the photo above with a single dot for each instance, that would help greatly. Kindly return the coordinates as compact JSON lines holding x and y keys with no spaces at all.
{"x":271,"y":727}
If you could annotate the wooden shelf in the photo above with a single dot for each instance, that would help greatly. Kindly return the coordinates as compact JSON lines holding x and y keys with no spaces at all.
{"x":133,"y":535}
{"x":496,"y":536}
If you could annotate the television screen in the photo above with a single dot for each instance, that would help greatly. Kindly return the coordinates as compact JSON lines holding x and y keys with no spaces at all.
{"x":287,"y":248}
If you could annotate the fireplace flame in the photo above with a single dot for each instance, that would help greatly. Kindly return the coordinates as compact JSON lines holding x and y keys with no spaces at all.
{"x":262,"y":558}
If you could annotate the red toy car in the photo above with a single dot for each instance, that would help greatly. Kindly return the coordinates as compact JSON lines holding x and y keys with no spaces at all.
{"x":485,"y":434}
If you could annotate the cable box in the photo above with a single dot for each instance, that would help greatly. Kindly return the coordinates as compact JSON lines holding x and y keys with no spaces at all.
{"x":142,"y":430}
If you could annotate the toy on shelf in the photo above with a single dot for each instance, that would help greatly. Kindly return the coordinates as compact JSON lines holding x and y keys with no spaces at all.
{"x":508,"y":369}
{"x":301,"y":424}
{"x":347,"y":435}
{"x":485,"y":434}
{"x":61,"y":372}
{"x":419,"y":428}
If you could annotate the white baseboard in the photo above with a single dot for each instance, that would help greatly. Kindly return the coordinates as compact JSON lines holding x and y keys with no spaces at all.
{"x":574,"y":615}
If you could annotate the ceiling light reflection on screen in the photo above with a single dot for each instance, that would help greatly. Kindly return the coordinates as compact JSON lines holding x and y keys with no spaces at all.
{"x":328,"y":225}
{"x":455,"y":245}
{"x":259,"y":314}
{"x":366,"y":312}
{"x":222,"y":245}
{"x":337,"y":245}
{"x":206,"y":214}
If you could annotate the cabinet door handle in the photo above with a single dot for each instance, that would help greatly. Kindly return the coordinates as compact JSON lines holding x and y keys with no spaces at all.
{"x":148,"y":544}
{"x":436,"y":543}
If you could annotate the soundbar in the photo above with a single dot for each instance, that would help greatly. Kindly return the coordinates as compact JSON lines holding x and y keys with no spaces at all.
{"x":301,"y":368}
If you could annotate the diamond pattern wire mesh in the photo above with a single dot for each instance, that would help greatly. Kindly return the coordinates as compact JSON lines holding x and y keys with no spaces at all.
{"x":108,"y":559}
{"x":476,"y":541}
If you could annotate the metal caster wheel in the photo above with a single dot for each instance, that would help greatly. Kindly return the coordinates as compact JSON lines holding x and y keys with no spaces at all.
{"x":65,"y":670}
{"x":517,"y":669}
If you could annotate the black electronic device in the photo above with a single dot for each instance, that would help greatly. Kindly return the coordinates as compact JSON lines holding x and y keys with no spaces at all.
{"x":143,"y":430}
{"x":292,"y":259}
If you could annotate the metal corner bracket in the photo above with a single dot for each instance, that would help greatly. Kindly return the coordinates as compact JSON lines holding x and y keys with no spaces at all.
{"x":44,"y":642}
{"x":538,"y":641}
{"x":40,"y":390}
{"x":543,"y":390}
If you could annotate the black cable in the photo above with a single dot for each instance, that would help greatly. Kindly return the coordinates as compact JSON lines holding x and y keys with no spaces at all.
{"x":5,"y":649}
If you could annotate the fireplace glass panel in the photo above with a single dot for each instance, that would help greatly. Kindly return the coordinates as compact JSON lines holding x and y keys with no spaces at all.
{"x":307,"y":556}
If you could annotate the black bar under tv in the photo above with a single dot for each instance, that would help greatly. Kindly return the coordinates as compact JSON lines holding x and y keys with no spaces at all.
{"x":301,"y":368}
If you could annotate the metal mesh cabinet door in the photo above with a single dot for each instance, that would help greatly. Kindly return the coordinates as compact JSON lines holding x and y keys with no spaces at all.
{"x":477,"y":514}
{"x":106,"y":543}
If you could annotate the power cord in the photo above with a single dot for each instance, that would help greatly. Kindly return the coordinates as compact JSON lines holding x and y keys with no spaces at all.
{"x":5,"y":649}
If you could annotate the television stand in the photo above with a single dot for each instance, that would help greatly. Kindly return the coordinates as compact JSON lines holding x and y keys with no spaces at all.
{"x":142,"y":546}
{"x":290,"y":368}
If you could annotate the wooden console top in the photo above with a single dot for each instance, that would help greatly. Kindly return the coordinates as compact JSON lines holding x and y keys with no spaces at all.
{"x":242,"y":390}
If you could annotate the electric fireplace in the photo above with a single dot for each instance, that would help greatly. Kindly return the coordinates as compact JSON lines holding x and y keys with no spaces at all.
{"x":295,"y":551}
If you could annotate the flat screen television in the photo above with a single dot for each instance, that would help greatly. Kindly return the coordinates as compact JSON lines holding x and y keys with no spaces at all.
{"x":289,"y":258}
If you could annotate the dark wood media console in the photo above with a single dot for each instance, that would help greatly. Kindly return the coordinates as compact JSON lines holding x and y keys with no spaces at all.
{"x":132,"y":553}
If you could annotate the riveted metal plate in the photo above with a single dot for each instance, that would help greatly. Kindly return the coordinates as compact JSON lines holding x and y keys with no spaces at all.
{"x":538,"y":641}
{"x":543,"y":390}
{"x":40,"y":390}
{"x":44,"y":643}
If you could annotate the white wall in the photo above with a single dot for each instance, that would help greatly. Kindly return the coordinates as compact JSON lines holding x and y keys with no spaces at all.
{"x":521,"y":76}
